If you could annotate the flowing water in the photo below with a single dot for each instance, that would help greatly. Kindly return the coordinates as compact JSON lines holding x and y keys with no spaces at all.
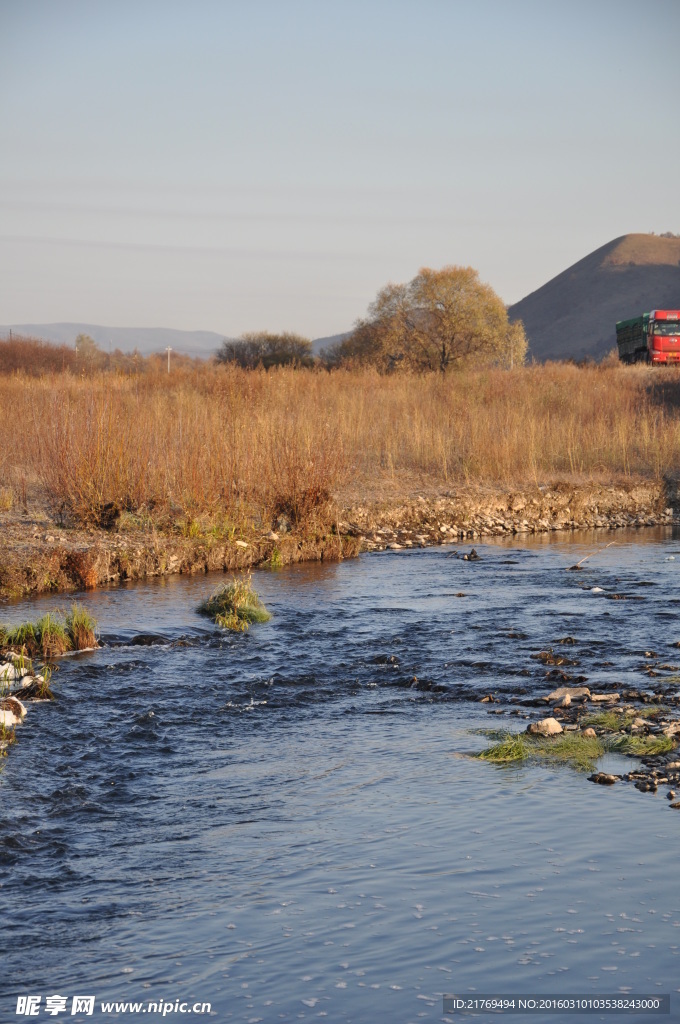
{"x":285,"y":823}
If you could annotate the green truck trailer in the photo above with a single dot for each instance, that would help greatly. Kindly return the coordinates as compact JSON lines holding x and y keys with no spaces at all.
{"x":651,"y":338}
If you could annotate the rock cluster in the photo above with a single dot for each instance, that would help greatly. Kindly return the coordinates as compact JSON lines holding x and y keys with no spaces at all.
{"x":468,"y":516}
{"x":571,"y":704}
{"x":17,"y":680}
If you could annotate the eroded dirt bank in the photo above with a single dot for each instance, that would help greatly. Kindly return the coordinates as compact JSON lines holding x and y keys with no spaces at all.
{"x":473,"y":515}
{"x":38,"y":556}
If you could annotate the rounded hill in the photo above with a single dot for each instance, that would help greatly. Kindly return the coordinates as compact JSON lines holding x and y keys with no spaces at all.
{"x":574,"y":315}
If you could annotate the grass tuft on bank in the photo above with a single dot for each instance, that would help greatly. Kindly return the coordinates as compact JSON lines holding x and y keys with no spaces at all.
{"x":51,"y":635}
{"x":81,"y":628}
{"x":235,"y":605}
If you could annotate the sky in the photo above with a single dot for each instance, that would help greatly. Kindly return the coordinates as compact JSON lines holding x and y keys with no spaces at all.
{"x":240,"y":165}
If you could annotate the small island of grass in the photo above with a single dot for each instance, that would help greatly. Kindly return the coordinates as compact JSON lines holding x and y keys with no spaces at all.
{"x":235,"y":605}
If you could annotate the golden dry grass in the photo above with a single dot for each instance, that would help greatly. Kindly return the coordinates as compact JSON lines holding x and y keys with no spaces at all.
{"x":220,"y":440}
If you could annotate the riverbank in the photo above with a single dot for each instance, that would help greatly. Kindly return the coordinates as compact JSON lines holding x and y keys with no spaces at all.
{"x":40,"y":555}
{"x":122,"y":477}
{"x":544,"y":509}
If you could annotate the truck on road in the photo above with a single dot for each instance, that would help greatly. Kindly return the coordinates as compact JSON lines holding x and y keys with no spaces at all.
{"x":651,"y":338}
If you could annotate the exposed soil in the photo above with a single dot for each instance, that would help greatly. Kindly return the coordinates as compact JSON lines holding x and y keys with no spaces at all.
{"x":39,"y":555}
{"x":474,"y":514}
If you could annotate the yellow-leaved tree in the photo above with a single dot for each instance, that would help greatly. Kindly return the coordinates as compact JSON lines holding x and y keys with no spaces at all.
{"x":440,"y":320}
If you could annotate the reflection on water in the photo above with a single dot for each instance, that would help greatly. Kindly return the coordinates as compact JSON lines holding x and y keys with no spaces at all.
{"x":280,"y":823}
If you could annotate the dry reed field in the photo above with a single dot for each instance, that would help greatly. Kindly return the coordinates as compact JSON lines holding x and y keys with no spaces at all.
{"x":216,"y":442}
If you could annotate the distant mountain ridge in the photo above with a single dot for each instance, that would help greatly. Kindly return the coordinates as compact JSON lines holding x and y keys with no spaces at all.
{"x":574,"y":315}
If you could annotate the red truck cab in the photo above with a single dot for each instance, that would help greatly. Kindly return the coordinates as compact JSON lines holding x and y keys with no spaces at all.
{"x":651,"y":338}
{"x":663,"y":339}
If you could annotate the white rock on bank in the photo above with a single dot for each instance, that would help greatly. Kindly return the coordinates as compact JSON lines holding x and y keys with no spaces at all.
{"x":546,"y":727}
{"x":11,"y":712}
{"x":15,"y":668}
{"x":574,"y":692}
{"x":13,"y":706}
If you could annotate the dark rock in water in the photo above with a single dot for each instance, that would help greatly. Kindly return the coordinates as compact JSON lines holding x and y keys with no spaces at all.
{"x":646,"y":786}
{"x":550,"y":658}
{"x":385,"y":659}
{"x":603,"y":778}
{"x":148,"y":640}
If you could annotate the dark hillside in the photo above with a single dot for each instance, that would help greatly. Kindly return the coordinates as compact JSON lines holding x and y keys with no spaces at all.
{"x":574,"y":314}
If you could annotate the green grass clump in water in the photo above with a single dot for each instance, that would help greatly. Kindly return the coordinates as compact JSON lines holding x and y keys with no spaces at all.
{"x":235,"y":605}
{"x":19,"y":636}
{"x":581,"y":752}
{"x":51,"y":635}
{"x":610,"y":721}
{"x":659,"y":709}
{"x":574,"y":749}
{"x":640,"y":746}
{"x":53,"y":638}
{"x":7,"y":738}
{"x":46,"y":637}
{"x":81,"y":628}
{"x":511,"y":748}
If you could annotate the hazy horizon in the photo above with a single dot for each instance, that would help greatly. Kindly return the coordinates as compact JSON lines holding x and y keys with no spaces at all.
{"x":231,"y":167}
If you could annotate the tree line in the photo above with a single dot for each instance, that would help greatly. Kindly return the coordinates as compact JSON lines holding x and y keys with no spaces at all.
{"x":439,"y":321}
{"x":37,"y":357}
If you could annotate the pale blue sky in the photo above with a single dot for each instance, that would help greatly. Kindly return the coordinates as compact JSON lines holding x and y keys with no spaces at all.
{"x":270,"y":165}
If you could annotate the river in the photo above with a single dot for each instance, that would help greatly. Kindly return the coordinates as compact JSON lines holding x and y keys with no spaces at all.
{"x":287,"y":824}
